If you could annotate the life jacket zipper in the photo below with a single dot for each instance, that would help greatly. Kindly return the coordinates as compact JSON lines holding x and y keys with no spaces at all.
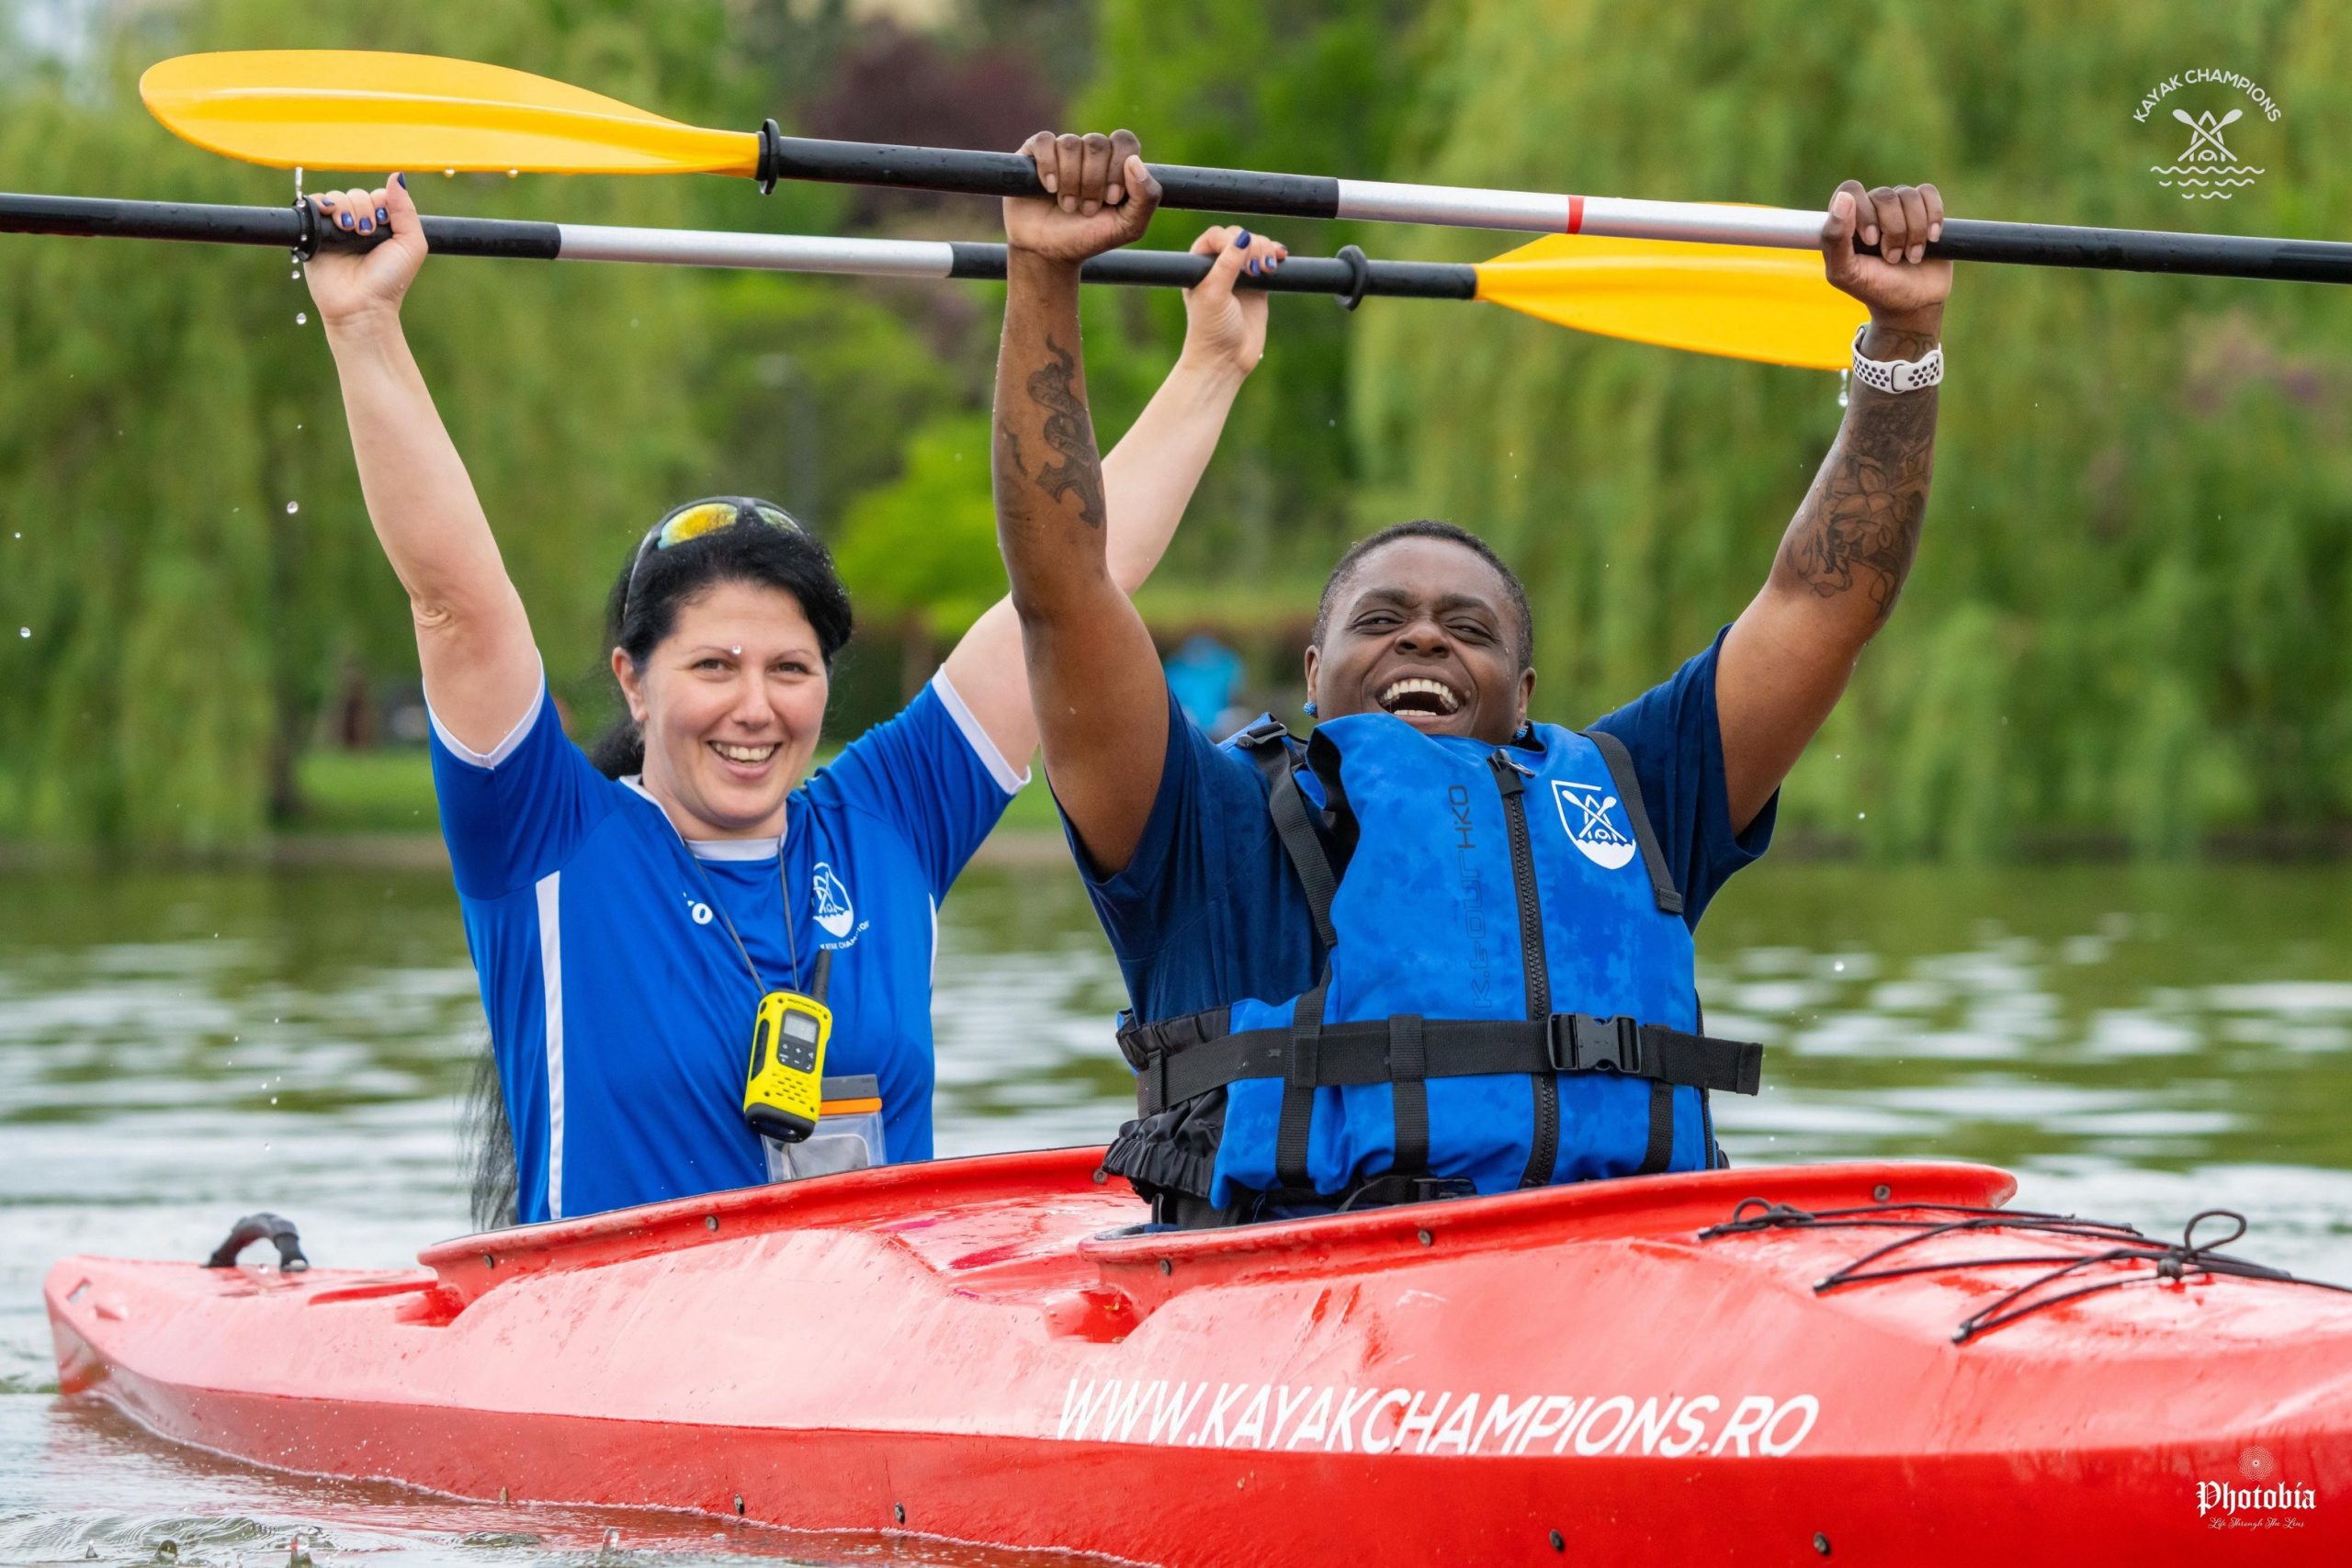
{"x":1546,"y":1146}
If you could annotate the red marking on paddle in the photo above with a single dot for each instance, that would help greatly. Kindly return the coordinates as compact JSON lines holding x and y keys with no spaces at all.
{"x":1576,"y":214}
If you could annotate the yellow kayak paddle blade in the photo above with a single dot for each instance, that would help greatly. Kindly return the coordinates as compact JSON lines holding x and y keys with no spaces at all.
{"x":325,"y":109}
{"x":1741,"y":301}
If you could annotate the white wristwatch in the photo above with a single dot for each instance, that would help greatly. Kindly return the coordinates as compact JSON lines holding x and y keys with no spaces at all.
{"x":1897,"y":375}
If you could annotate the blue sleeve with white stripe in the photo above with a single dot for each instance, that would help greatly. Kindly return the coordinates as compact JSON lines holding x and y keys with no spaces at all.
{"x":934,"y":772}
{"x":515,"y":813}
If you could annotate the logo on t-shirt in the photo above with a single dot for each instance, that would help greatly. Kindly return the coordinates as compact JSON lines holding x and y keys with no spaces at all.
{"x":1585,"y":813}
{"x":834,"y":912}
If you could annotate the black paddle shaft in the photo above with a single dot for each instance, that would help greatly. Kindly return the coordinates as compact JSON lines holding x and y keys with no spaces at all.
{"x":294,"y":228}
{"x":1183,"y":188}
{"x":2146,"y":250}
{"x":298,"y":229}
{"x":1192,"y":189}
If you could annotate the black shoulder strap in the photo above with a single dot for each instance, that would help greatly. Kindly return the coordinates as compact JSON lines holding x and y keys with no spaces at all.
{"x":1269,"y":746}
{"x":1629,"y":791}
{"x":1295,"y":825}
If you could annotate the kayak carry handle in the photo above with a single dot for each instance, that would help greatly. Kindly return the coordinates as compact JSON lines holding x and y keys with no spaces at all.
{"x":254,"y":1227}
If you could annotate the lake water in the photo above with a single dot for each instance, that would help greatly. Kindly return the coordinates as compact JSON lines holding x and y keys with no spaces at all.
{"x":178,"y":1049}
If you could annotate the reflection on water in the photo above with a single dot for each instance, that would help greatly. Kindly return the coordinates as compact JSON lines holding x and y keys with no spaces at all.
{"x":178,"y":1049}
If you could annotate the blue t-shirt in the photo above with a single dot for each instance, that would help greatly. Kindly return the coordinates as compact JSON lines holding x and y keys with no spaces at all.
{"x":1208,"y":910}
{"x":620,"y":1009}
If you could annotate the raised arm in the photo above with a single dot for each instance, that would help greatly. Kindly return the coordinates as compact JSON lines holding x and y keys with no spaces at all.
{"x":1147,"y":479}
{"x":1094,"y":677}
{"x":1842,"y":562}
{"x":473,"y":639}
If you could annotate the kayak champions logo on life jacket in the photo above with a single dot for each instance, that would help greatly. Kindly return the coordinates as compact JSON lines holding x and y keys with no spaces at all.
{"x":2208,"y":169}
{"x":2266,"y":1504}
{"x":835,"y":913}
{"x":1585,"y":812}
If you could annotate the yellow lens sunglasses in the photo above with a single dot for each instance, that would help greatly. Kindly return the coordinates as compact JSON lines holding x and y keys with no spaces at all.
{"x":694,"y":520}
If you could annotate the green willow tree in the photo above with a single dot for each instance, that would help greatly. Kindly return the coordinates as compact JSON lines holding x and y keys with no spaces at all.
{"x":2128,"y":614}
{"x":1316,"y":87}
{"x":162,"y":411}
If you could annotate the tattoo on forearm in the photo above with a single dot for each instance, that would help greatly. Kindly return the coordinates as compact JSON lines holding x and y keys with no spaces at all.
{"x":1860,"y":525}
{"x":1070,"y":431}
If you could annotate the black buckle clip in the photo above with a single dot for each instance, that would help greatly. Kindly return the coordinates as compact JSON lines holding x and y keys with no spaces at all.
{"x":1581,"y":1043}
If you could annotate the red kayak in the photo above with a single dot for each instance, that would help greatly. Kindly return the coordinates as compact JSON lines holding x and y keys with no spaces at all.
{"x":1869,"y":1363}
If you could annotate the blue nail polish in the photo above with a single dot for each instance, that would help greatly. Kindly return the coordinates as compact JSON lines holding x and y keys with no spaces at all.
{"x":366,"y":225}
{"x":403,"y":179}
{"x":1242,"y":242}
{"x":382,"y":215}
{"x":343,"y":219}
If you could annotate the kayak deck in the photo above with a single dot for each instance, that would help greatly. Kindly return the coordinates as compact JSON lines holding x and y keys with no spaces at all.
{"x":971,"y":1349}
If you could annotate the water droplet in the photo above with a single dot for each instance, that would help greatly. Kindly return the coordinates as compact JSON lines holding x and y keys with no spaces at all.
{"x":449,"y":174}
{"x":1861,"y":816}
{"x":24,"y":631}
{"x":292,"y":507}
{"x":512,"y":173}
{"x":273,"y":1099}
{"x":301,"y":318}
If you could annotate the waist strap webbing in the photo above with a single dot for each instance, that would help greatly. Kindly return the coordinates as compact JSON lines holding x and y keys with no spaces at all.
{"x":1182,"y":1058}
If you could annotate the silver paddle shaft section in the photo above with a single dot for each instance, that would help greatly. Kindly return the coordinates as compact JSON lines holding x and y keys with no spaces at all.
{"x":769,"y":253}
{"x":1378,"y":201}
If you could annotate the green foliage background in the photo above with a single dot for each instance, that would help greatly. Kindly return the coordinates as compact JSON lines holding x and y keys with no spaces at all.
{"x":2128,"y":619}
{"x":2129,"y":609}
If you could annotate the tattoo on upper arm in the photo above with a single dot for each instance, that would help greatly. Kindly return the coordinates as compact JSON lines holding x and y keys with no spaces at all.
{"x":1069,"y":431}
{"x":1860,"y":525}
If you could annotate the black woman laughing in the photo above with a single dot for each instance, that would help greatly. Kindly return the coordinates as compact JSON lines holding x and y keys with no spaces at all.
{"x":1437,"y":948}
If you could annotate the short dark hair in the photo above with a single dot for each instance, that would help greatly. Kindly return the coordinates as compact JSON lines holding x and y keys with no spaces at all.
{"x":1429,"y":528}
{"x":671,"y":577}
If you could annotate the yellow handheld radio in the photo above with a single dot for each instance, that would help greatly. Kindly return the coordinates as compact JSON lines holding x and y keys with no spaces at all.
{"x":784,"y":1092}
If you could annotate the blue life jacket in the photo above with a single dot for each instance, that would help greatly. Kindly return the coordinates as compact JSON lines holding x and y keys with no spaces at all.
{"x":1508,"y":996}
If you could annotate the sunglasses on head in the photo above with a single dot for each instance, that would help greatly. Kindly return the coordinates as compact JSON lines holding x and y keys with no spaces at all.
{"x":694,"y":520}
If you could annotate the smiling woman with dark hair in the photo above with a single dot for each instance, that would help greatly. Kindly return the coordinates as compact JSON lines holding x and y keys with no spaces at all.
{"x":1437,"y":948}
{"x":628,"y":913}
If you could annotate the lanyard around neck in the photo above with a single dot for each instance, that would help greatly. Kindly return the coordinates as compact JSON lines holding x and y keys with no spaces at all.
{"x":710,"y":891}
{"x":784,"y":890}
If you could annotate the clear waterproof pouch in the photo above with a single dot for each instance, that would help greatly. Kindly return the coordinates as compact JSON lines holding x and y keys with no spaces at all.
{"x":848,"y":1134}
